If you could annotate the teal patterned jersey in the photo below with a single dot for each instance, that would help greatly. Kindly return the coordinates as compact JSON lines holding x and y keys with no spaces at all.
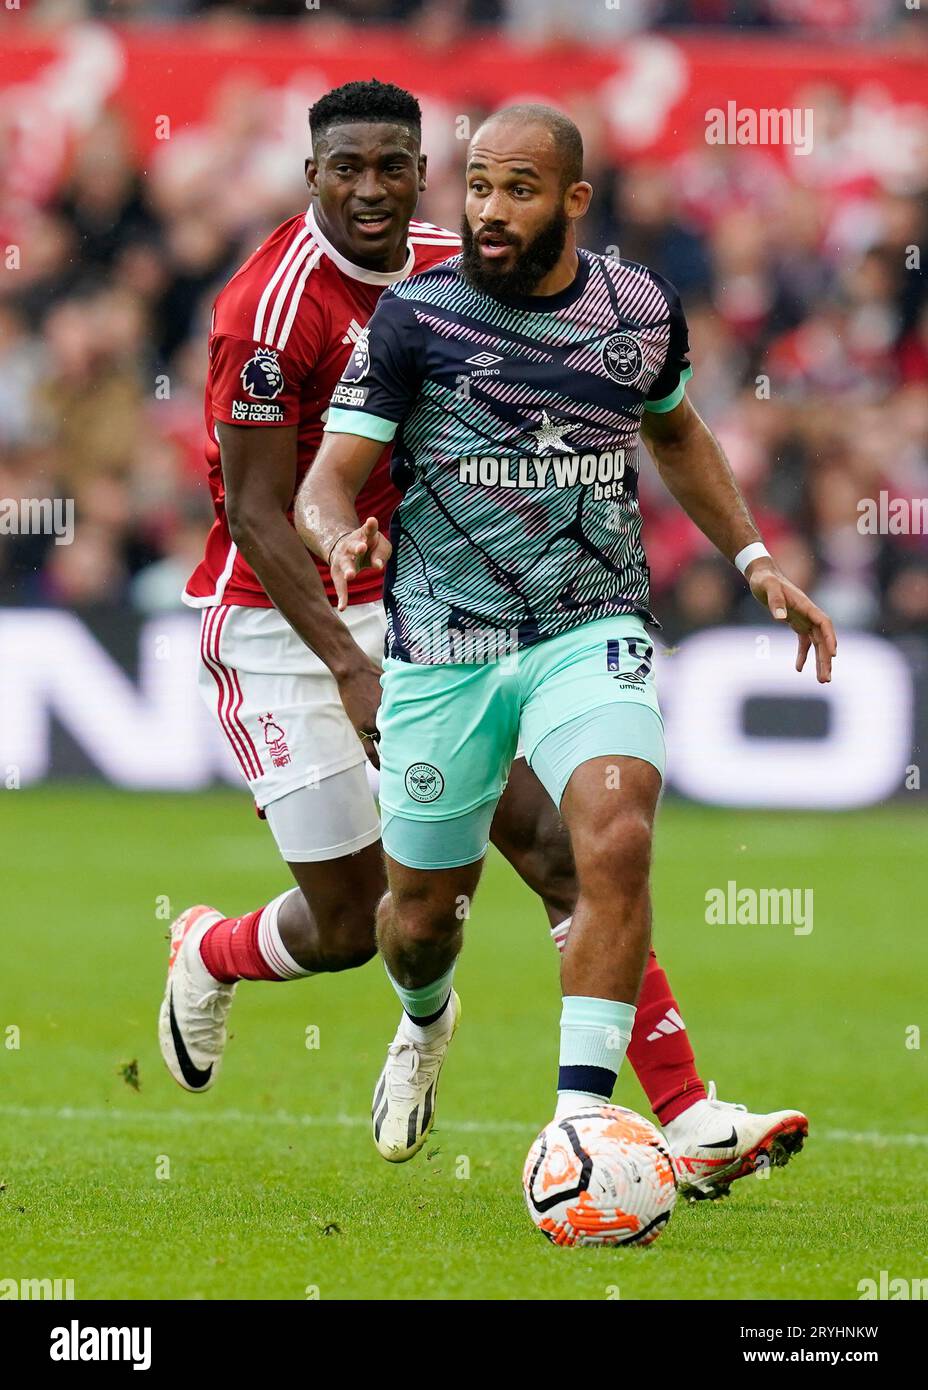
{"x":516,"y":430}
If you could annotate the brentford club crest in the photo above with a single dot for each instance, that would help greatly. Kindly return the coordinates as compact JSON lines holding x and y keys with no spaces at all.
{"x":622,"y":358}
{"x":275,"y":739}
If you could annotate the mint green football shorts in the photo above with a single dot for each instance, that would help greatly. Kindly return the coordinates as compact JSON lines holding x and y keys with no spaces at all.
{"x":448,"y":734}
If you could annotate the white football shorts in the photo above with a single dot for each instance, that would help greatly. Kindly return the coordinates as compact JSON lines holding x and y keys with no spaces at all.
{"x":278,"y":706}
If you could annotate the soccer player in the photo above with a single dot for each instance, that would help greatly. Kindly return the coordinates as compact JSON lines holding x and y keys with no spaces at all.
{"x":294,"y":684}
{"x":513,"y":381}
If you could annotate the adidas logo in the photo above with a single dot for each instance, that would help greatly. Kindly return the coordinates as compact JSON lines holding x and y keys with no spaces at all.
{"x":670,"y":1023}
{"x":353,"y":333}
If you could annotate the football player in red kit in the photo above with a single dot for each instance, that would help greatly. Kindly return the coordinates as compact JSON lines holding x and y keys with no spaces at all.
{"x":295,"y":685}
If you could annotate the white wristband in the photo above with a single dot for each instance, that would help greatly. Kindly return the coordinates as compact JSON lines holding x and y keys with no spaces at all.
{"x":750,"y":552}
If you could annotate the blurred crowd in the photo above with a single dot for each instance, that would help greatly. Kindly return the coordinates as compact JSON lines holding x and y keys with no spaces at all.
{"x":529,"y":19}
{"x":802,"y":283}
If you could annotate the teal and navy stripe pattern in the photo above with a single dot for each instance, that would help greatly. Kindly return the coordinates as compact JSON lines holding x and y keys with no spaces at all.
{"x":516,"y":450}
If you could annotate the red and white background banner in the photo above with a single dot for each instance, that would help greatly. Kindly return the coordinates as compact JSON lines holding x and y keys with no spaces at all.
{"x":645,"y":95}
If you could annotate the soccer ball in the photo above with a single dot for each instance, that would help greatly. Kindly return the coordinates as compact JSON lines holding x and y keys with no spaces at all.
{"x":603,"y":1176}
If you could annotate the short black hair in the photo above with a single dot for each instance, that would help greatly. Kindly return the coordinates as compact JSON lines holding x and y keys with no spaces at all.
{"x":372,"y":102}
{"x":567,"y":138}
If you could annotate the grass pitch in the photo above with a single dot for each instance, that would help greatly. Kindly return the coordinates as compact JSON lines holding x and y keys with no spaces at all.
{"x":269,"y":1186}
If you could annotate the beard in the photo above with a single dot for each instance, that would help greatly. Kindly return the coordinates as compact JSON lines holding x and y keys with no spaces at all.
{"x":532,"y":261}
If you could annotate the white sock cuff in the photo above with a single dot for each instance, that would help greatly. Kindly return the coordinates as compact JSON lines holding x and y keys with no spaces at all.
{"x":570,"y":1102}
{"x":270,"y":944}
{"x":559,"y":933}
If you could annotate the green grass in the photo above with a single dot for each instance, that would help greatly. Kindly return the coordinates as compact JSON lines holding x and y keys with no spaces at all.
{"x":274,"y":1185}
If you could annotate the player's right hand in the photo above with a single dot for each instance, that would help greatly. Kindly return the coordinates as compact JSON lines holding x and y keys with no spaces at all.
{"x":359,"y":692}
{"x":365,"y":548}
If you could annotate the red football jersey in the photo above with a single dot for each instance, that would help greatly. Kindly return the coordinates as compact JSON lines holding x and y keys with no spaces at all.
{"x":281,"y":333}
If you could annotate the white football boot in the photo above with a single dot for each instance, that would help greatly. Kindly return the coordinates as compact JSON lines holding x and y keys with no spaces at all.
{"x":403,"y":1110}
{"x":714,"y":1143}
{"x":192,"y":1021}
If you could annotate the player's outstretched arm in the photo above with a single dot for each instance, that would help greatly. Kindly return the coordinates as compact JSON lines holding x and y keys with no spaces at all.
{"x":696,"y":472}
{"x":325,"y":515}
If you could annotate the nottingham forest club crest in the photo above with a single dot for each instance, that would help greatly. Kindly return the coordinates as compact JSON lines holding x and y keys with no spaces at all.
{"x":275,"y":739}
{"x":262,"y":377}
{"x":622,"y":358}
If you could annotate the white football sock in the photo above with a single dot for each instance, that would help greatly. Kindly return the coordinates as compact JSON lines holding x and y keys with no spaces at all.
{"x":270,"y":943}
{"x":571,"y":1102}
{"x":429,"y":1032}
{"x":559,"y":933}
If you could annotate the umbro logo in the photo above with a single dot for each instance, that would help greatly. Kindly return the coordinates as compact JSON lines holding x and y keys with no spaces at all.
{"x":483,"y":359}
{"x":670,"y":1023}
{"x":353,"y":332}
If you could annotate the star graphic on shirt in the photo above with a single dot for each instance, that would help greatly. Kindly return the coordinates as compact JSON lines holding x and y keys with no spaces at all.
{"x":550,"y":433}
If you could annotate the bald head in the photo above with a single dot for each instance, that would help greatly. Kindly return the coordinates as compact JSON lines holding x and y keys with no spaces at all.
{"x":547,"y":133}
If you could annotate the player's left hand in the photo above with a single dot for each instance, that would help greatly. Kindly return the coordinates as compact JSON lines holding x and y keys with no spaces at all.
{"x":364,"y":548}
{"x":788,"y":604}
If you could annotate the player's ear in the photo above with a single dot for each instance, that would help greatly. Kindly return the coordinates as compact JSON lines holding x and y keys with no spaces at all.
{"x":311,"y":169}
{"x":423,"y":161}
{"x":577,"y":198}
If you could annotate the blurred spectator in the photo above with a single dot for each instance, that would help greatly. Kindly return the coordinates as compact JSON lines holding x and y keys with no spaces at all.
{"x":90,"y":572}
{"x":703,"y":598}
{"x":102,"y":200}
{"x":22,"y":358}
{"x":89,"y":403}
{"x":650,"y":230}
{"x":907,"y":601}
{"x":155,"y":587}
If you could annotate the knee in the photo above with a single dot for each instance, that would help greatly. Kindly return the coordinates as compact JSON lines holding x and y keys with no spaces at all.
{"x":425,"y":918}
{"x":617,"y":854}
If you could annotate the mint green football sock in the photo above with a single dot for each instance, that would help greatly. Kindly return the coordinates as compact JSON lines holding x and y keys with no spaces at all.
{"x":425,"y":1006}
{"x":595,"y":1034}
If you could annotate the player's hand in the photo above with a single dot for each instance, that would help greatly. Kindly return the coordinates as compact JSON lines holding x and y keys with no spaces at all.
{"x":359,"y":691}
{"x":788,"y":604}
{"x":365,"y":548}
